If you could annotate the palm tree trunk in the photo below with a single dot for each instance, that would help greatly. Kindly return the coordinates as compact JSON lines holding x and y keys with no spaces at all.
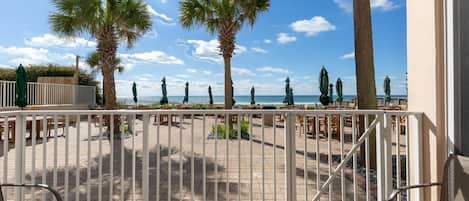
{"x":365,"y":73}
{"x":228,"y":92}
{"x":107,"y":50}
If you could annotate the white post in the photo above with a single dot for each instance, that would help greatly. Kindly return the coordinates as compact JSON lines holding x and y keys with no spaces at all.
{"x":19,"y":149}
{"x":380,"y":159}
{"x":290,"y":155}
{"x":4,"y":94}
{"x":416,"y":155}
{"x":388,"y":153}
{"x":145,"y":157}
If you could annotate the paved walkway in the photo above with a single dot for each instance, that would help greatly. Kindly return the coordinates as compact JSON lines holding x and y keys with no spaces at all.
{"x":220,"y":171}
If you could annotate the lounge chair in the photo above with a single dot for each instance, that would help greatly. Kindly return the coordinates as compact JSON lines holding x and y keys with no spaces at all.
{"x":455,"y":183}
{"x":54,"y":192}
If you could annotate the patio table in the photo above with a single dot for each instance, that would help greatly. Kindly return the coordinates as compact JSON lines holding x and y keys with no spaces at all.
{"x":29,"y":124}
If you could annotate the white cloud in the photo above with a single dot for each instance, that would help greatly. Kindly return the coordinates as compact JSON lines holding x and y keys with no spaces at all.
{"x":242,"y":71}
{"x":269,"y":69}
{"x":152,"y":57}
{"x":284,"y":38}
{"x":267,"y":41}
{"x":350,"y":55}
{"x":5,"y":66}
{"x":191,"y":70}
{"x":195,"y":71}
{"x":313,"y":26}
{"x":209,"y":50}
{"x":26,"y":55}
{"x":258,"y":49}
{"x":384,"y":5}
{"x":49,"y":40}
{"x":207,"y":72}
{"x":159,"y":15}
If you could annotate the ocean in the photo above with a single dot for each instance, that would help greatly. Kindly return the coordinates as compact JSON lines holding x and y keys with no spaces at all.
{"x":240,"y":100}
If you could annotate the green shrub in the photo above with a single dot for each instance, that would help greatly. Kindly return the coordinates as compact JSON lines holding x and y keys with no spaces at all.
{"x":233,"y":134}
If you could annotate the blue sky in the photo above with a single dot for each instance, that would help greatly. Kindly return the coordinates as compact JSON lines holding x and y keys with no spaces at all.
{"x":290,"y":40}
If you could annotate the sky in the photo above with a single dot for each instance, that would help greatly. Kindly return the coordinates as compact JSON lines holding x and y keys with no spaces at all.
{"x":290,"y":40}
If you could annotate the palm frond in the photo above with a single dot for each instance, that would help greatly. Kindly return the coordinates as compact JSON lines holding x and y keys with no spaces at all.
{"x":197,"y":13}
{"x":132,"y":20}
{"x":73,"y":17}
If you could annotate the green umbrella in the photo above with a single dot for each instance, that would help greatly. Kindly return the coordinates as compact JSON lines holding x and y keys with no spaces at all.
{"x":21,"y":85}
{"x":232,"y":94}
{"x":186,"y":94}
{"x":387,"y":89}
{"x":210,"y":97}
{"x":287,"y":91}
{"x":338,"y":88}
{"x":134,"y":92}
{"x":324,"y":87}
{"x":253,"y":100}
{"x":164,"y":99}
{"x":290,"y":97}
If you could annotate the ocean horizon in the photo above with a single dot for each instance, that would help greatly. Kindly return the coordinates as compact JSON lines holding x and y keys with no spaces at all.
{"x":240,"y":100}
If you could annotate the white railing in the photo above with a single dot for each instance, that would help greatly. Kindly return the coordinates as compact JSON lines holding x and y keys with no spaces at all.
{"x":175,"y":155}
{"x":47,"y":94}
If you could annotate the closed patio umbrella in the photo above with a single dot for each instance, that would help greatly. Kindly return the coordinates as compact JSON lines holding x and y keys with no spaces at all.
{"x":387,"y":89}
{"x":338,"y":88}
{"x":134,"y":92}
{"x":253,"y":100}
{"x":186,"y":94}
{"x":21,"y":82}
{"x":287,"y":91}
{"x":324,"y":87}
{"x":291,"y":101}
{"x":164,"y":98}
{"x":210,"y":96}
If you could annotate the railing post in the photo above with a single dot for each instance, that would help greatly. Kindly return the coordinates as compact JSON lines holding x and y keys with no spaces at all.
{"x":383,"y":156}
{"x":19,"y":159}
{"x":145,"y":157}
{"x":4,"y":94}
{"x":416,"y":156}
{"x":290,"y":156}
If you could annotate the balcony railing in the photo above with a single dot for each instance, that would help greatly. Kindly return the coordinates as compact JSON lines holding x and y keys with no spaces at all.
{"x":182,"y":155}
{"x":48,"y":94}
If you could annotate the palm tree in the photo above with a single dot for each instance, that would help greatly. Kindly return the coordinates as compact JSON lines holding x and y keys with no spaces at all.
{"x":110,"y":22}
{"x":96,"y":65}
{"x":224,"y":17}
{"x":365,"y":72}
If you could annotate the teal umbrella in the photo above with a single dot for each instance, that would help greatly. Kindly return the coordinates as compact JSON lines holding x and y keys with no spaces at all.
{"x":210,"y":96}
{"x":338,"y":88}
{"x":164,"y":98}
{"x":387,"y":89}
{"x":186,"y":94}
{"x":287,"y":91}
{"x":21,"y":85}
{"x":253,"y":100}
{"x":331,"y":93}
{"x":324,"y":87}
{"x":291,"y":101}
{"x":134,"y":92}
{"x":232,"y":94}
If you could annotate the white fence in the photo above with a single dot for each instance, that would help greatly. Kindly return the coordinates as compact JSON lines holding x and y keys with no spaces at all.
{"x":48,"y":94}
{"x":181,"y":154}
